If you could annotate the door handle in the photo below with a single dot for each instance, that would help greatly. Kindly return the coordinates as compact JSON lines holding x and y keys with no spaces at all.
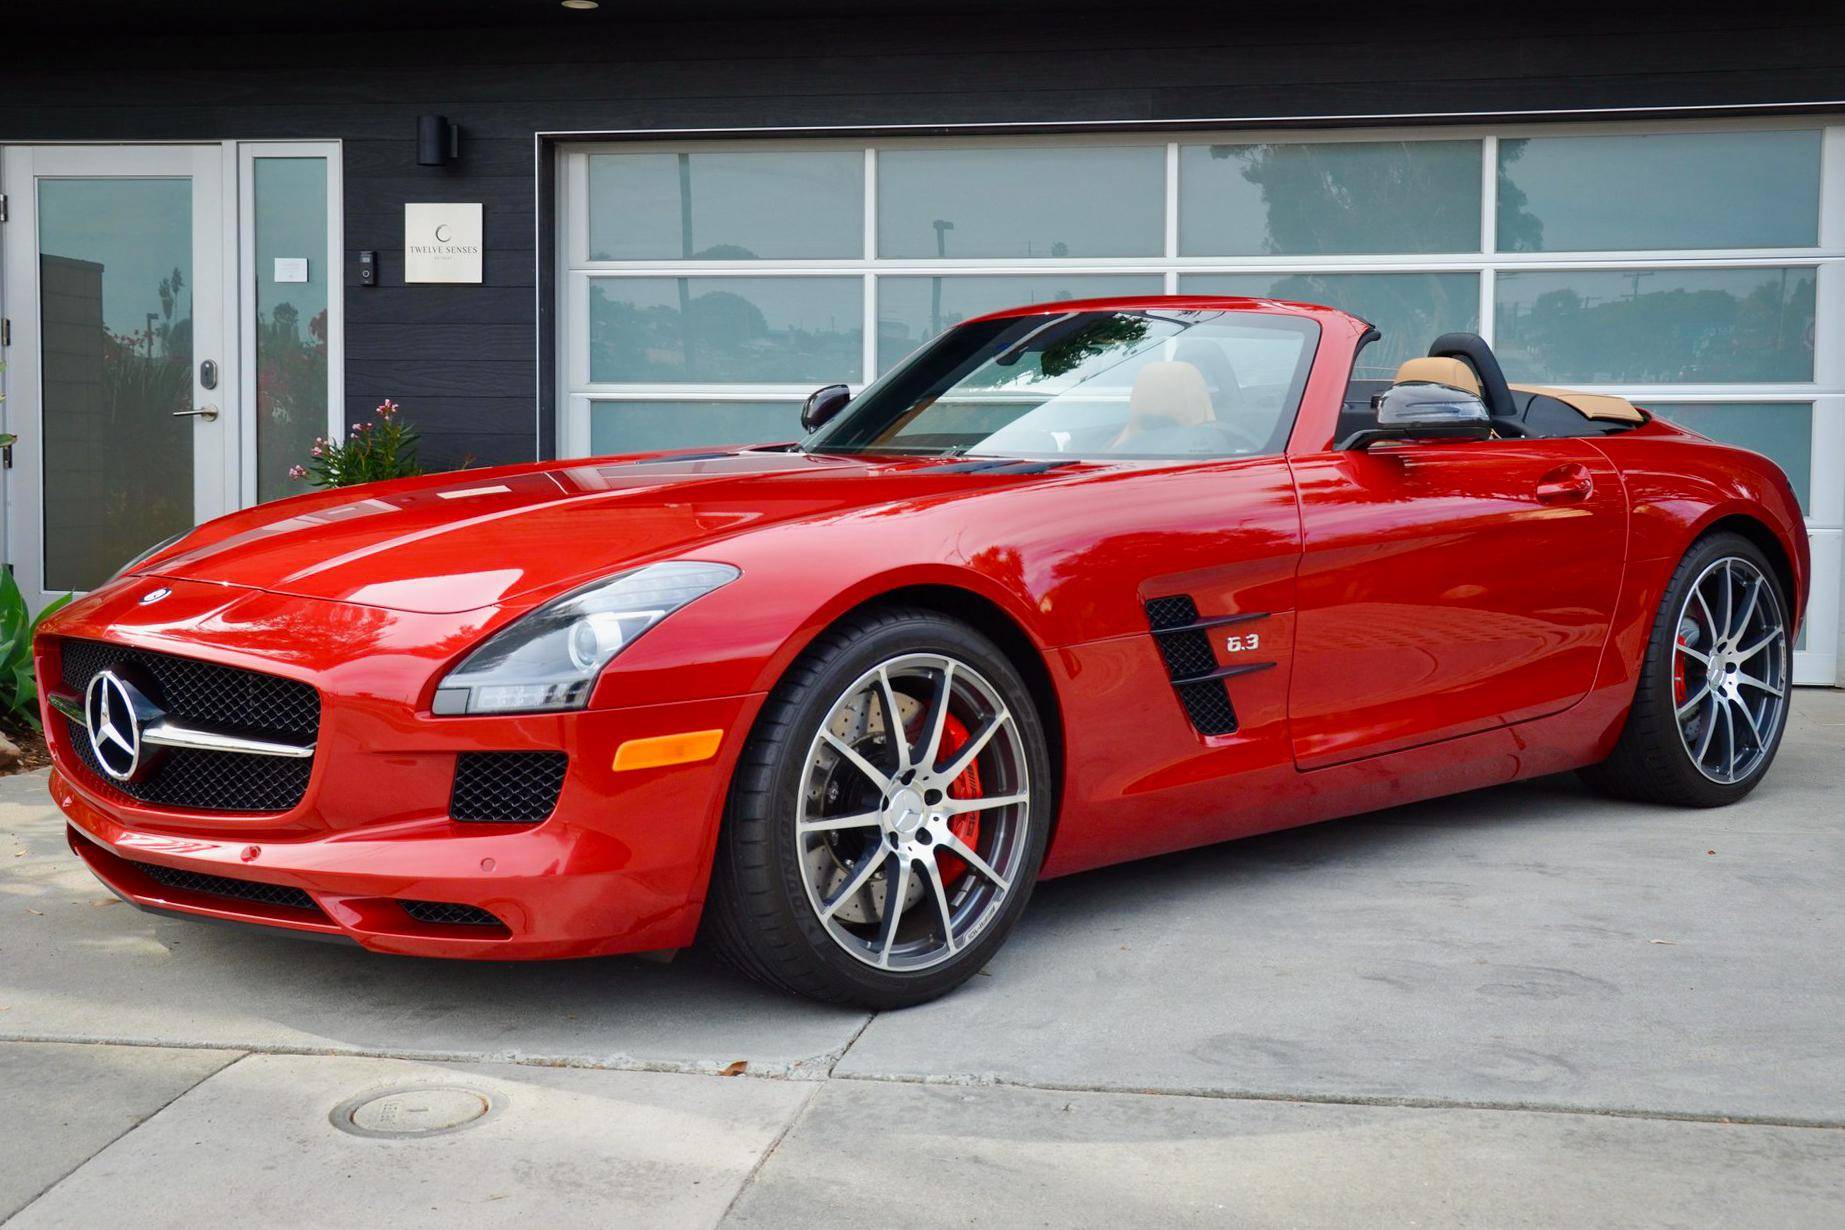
{"x":208,"y":413}
{"x":1567,"y":484}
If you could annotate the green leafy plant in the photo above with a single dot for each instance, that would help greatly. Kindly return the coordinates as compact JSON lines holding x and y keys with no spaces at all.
{"x":18,"y":685}
{"x":371,"y":452}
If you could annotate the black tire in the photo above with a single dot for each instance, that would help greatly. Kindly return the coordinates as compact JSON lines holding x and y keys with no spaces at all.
{"x":1651,"y":762}
{"x":759,"y":917}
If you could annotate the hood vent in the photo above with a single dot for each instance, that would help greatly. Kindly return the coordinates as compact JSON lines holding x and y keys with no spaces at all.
{"x":998,"y":465}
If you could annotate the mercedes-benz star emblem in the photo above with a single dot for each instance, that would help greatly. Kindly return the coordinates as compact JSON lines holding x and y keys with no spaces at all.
{"x":114,"y":710}
{"x":154,"y":595}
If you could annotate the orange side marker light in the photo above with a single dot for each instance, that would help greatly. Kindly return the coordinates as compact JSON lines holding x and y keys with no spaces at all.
{"x":663,"y":750}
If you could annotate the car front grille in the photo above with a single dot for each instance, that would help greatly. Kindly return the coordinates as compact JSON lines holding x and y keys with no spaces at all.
{"x":207,"y":694}
{"x":225,"y":886}
{"x":204,"y":692}
{"x":506,"y":787}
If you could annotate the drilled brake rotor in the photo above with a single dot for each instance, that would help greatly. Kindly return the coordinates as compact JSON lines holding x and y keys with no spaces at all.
{"x":860,"y":725}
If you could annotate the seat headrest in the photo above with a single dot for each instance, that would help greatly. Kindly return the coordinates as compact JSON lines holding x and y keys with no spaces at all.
{"x":1174,"y":391}
{"x":1430,"y":370}
{"x":1219,"y":374}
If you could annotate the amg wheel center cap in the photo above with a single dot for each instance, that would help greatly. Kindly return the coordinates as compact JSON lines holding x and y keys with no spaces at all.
{"x":905,"y":812}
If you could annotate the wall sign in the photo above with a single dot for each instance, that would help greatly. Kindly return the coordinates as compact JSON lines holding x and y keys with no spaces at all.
{"x":442,"y":243}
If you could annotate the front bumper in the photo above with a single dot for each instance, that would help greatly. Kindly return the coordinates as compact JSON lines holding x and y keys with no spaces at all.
{"x":620,"y":865}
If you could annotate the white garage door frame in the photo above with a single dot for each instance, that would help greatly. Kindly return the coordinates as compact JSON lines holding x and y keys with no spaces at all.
{"x":1816,"y":662}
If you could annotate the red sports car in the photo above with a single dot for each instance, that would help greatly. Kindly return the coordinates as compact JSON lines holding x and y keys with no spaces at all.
{"x":1076,"y":583}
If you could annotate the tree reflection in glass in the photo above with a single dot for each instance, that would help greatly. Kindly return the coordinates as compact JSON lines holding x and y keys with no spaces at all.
{"x":115,"y":309}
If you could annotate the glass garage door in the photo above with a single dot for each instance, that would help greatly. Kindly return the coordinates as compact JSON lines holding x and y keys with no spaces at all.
{"x":707,"y":287}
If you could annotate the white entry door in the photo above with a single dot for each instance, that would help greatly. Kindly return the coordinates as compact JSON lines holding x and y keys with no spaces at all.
{"x":120,"y":378}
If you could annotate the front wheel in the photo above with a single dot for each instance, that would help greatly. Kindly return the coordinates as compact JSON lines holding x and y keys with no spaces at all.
{"x":1711,"y":705}
{"x":888,"y":816}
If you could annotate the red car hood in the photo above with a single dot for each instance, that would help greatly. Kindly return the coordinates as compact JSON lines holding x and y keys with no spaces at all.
{"x":460,"y":541}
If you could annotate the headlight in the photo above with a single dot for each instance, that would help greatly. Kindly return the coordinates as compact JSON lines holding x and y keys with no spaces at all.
{"x":549,"y":658}
{"x":148,"y":554}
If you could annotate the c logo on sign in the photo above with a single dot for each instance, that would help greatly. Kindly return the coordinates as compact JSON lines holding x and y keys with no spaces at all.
{"x":442,"y":232}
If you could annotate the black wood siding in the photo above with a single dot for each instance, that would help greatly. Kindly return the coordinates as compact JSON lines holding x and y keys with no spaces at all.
{"x":465,"y":361}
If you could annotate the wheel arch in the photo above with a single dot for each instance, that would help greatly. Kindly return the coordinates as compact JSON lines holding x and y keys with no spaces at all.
{"x":1763,"y":536}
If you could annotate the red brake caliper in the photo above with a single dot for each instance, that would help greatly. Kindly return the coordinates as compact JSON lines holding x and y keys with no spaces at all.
{"x":967,"y":786}
{"x":1681,"y":690}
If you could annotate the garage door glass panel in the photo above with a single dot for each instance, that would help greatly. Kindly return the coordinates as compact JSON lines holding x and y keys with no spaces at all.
{"x":726,"y":206}
{"x":1781,"y":431}
{"x":1659,"y":190}
{"x":1411,"y":309}
{"x":913,"y":310}
{"x":714,"y":330}
{"x":115,"y":299}
{"x":1003,"y":202}
{"x":290,"y":222}
{"x":1656,"y":326}
{"x":1329,"y":197}
{"x":641,"y":426}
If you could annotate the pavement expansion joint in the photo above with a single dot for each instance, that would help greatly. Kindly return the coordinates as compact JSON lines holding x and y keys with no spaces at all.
{"x":820,"y":1069}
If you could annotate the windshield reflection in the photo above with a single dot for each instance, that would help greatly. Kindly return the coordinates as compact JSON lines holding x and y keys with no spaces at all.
{"x":1090,"y":384}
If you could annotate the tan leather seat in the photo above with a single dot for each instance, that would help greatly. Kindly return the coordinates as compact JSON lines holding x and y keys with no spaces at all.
{"x":1431,"y":370}
{"x":1166,"y":395}
{"x":1171,"y":393}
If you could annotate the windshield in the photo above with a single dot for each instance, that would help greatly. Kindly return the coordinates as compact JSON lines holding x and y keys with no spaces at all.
{"x":1154,"y":383}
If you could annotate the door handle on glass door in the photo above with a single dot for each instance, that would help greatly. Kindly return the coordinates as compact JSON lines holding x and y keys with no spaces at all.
{"x":208,"y":413}
{"x":1567,"y":484}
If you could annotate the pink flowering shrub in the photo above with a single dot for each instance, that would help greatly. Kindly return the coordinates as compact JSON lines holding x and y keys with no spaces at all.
{"x":372,"y":452}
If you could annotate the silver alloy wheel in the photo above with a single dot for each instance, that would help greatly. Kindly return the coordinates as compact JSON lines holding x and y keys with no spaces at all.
{"x":1729,"y":669}
{"x":885,"y":796}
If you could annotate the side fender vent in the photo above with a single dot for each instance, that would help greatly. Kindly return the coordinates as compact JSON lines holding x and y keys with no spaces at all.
{"x":1185,"y":647}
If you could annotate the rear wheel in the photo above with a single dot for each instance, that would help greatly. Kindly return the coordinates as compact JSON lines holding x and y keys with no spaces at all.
{"x":888,"y":816}
{"x":1712,"y":702}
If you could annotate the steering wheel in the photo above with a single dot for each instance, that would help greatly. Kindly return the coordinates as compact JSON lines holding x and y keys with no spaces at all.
{"x":1249,"y":442}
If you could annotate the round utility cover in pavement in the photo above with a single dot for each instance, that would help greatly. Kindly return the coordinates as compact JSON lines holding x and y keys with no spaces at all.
{"x":423,"y":1110}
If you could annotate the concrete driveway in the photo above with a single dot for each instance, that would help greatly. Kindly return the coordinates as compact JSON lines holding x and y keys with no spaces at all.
{"x":1525,"y":1006}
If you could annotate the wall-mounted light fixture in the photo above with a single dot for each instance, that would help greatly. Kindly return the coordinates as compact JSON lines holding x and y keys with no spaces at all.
{"x":438,"y":142}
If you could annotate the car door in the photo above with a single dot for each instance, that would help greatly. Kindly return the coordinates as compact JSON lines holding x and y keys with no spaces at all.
{"x":1448,"y":587}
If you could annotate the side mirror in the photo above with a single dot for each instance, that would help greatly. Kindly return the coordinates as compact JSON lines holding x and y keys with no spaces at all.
{"x":1421,"y":411}
{"x":823,"y":404}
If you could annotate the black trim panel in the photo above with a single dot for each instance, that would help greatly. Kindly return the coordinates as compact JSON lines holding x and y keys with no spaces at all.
{"x":1215,"y":621}
{"x":1227,"y":672}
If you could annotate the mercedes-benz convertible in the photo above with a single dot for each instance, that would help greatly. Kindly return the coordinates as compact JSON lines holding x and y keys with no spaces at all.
{"x":1074,"y":584}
